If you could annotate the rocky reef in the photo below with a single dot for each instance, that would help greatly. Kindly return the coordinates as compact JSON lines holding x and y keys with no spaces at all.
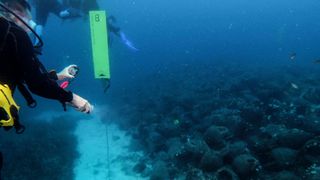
{"x":226,"y":123}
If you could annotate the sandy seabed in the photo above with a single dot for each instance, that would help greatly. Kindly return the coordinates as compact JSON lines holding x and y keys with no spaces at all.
{"x":103,"y":150}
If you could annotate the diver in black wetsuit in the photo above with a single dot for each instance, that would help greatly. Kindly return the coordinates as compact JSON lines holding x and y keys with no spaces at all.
{"x":19,"y":64}
{"x":114,"y":29}
{"x":45,"y":7}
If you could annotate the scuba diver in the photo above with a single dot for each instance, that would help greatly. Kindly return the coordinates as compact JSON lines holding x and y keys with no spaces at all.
{"x":20,"y":66}
{"x":45,"y":7}
{"x":114,"y":29}
{"x":88,"y":5}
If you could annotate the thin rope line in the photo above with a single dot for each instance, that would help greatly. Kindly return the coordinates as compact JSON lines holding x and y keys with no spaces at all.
{"x":108,"y":151}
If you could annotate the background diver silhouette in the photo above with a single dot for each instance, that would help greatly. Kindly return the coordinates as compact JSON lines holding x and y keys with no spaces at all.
{"x":44,"y":7}
{"x":88,"y":5}
{"x":68,"y":9}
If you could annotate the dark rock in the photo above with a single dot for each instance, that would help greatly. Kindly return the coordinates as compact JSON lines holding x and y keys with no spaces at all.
{"x":201,"y":110}
{"x":252,"y":115}
{"x":170,"y":128}
{"x":265,"y":95}
{"x":302,"y":109}
{"x":191,"y":151}
{"x":311,"y":150}
{"x":312,"y":147}
{"x":273,"y":130}
{"x":293,"y":138}
{"x":244,"y":129}
{"x":224,"y":117}
{"x":245,"y":165}
{"x":197,"y":174}
{"x":155,"y":142}
{"x":215,"y":137}
{"x":311,"y":125}
{"x":174,"y":147}
{"x":312,"y":173}
{"x":286,"y":175}
{"x":160,"y":171}
{"x":284,"y":157}
{"x":162,"y":156}
{"x":211,"y":161}
{"x":226,"y":173}
{"x":260,"y":144}
{"x":139,"y":167}
{"x":235,"y":149}
{"x":312,"y":95}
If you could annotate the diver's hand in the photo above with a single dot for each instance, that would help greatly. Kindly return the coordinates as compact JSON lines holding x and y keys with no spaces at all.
{"x":81,"y":104}
{"x":65,"y":73}
{"x":70,"y":13}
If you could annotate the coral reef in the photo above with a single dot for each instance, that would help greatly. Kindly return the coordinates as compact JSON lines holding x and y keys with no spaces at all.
{"x":241,"y":123}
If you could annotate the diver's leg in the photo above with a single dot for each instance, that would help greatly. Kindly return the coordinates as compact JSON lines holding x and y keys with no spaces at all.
{"x":112,"y":28}
{"x":89,"y":5}
{"x":127,"y":42}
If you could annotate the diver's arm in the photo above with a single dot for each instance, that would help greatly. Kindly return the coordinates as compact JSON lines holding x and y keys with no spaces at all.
{"x":38,"y":82}
{"x":117,"y":31}
{"x":70,"y":13}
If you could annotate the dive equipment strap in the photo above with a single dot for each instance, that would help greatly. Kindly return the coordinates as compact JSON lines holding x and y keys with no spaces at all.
{"x":27,"y":95}
{"x":17,"y":125}
{"x":3,"y":37}
{"x":25,"y":92}
{"x":107,"y":85}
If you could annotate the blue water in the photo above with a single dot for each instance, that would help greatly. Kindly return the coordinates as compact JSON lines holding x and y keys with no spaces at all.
{"x":175,"y":33}
{"x":173,"y":36}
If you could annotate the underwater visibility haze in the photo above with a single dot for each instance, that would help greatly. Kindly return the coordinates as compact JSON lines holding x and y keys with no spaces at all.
{"x":208,"y":90}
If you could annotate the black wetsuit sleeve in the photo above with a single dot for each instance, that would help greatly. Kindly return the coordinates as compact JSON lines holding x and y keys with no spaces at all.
{"x":53,"y":75}
{"x":38,"y":82}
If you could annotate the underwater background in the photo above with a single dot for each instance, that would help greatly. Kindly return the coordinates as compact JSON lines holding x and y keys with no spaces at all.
{"x":218,"y":90}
